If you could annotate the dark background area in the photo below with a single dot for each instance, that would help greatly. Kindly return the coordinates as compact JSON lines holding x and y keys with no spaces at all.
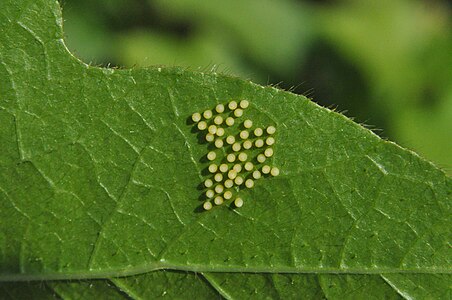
{"x":387,"y":64}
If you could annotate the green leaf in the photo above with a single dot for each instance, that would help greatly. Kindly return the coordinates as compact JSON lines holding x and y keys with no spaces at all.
{"x":153,"y":285}
{"x":100,"y":172}
{"x":332,"y":286}
{"x":182,"y":285}
{"x":23,"y":290}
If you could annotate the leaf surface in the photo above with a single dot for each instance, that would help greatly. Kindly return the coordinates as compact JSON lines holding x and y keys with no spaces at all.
{"x":332,"y":286}
{"x":153,"y":285}
{"x":181,"y":285}
{"x":105,"y":163}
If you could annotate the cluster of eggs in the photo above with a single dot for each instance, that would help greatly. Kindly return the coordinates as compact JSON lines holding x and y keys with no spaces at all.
{"x":231,"y":164}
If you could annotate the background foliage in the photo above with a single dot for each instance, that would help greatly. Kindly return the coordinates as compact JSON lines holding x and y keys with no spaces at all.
{"x":386,"y":63}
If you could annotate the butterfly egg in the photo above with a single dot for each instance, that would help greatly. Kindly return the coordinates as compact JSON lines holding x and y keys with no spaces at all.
{"x":213,"y":168}
{"x":237,"y":168}
{"x":271,"y":129}
{"x":266,"y":169}
{"x":218,"y":120}
{"x":243,"y":156}
{"x":236,"y":147}
{"x":244,"y":134}
{"x":238,"y":202}
{"x":196,"y":117}
{"x":219,"y":189}
{"x":238,"y":180}
{"x":218,"y":177}
{"x":268,"y":152}
{"x":274,"y":171}
{"x":219,"y":108}
{"x":230,"y":139}
{"x":218,"y":143}
{"x":212,"y":129}
{"x":257,"y":174}
{"x":227,"y":195}
{"x":232,"y":174}
{"x":210,"y":193}
{"x":208,"y":183}
{"x":249,"y":183}
{"x":259,"y":143}
{"x":238,"y":112}
{"x":220,"y":131}
{"x":210,"y":137}
{"x":228,"y":183}
{"x":232,"y":105}
{"x":211,"y":155}
{"x":202,"y":125}
{"x":229,"y":121}
{"x":224,"y":168}
{"x":248,"y":166}
{"x":258,"y":132}
{"x":248,"y":124}
{"x":244,"y":104}
{"x":230,"y":157}
{"x":207,"y":205}
{"x":218,"y":200}
{"x":247,"y":144}
{"x":207,"y":114}
{"x":270,"y":141}
{"x":261,"y":158}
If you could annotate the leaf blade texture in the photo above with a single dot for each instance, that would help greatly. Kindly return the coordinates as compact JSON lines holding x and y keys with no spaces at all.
{"x":103,"y":161}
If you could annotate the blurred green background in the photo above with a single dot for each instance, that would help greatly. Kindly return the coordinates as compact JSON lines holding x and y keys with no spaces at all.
{"x":387,"y":63}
